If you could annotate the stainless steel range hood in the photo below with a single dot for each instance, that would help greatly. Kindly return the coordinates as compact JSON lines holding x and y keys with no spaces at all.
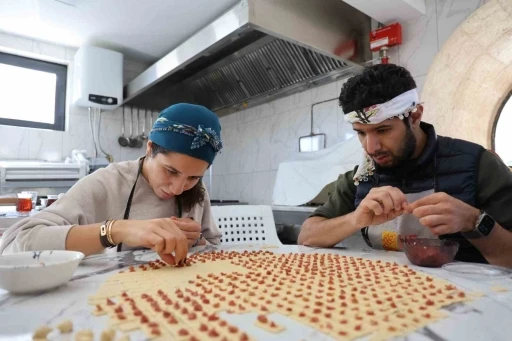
{"x":257,"y":51}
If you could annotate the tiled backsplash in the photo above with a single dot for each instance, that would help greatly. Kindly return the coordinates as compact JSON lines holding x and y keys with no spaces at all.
{"x":27,"y":143}
{"x":257,"y":139}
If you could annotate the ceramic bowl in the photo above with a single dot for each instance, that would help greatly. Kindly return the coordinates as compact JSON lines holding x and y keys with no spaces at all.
{"x":35,"y":271}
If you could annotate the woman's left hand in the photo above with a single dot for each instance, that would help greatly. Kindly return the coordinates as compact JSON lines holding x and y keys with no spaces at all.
{"x":190,"y":227}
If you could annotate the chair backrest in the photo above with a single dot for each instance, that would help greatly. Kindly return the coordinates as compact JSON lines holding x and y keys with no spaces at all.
{"x":246,"y":224}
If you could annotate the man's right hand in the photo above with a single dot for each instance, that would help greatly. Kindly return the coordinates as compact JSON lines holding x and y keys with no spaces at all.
{"x":161,"y":235}
{"x":382,"y":204}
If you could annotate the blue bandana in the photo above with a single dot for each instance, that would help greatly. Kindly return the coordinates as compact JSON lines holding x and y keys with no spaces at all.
{"x":188,"y":129}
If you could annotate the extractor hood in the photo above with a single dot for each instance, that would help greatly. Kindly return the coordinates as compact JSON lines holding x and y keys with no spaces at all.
{"x":257,"y":51}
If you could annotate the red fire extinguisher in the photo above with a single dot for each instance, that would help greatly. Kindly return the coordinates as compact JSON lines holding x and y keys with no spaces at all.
{"x":383,"y":38}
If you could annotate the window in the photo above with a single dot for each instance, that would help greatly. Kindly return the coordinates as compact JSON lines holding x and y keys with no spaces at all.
{"x":502,"y":135}
{"x":32,"y":92}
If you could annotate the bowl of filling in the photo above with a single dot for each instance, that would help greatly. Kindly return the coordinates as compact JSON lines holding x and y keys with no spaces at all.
{"x":432,"y":253}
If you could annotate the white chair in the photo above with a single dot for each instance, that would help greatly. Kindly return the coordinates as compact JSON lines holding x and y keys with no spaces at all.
{"x":246,"y":224}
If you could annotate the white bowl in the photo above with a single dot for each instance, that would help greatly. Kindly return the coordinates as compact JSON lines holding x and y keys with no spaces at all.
{"x":35,"y":271}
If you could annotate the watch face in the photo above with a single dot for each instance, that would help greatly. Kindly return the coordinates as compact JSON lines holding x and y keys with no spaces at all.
{"x":486,"y":225}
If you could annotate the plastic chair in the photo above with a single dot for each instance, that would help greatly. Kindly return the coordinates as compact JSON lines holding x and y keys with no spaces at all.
{"x":246,"y":224}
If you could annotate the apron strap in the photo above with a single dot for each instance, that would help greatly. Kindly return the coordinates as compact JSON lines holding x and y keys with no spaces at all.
{"x":130,"y":199}
{"x":180,"y":209}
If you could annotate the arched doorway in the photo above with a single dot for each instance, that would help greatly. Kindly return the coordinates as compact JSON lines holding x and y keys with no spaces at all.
{"x":502,"y":132}
{"x":471,"y":76}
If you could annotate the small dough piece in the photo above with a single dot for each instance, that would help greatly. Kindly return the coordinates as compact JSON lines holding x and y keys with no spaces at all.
{"x":41,"y":332}
{"x":265,"y":323}
{"x":125,"y":337}
{"x":108,"y":334}
{"x":498,"y":288}
{"x":65,"y":327}
{"x":84,"y":335}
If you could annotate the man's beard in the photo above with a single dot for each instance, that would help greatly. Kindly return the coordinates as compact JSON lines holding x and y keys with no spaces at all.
{"x":405,"y":152}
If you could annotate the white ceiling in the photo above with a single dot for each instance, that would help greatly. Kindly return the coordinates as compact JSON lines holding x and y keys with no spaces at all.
{"x":143,"y":30}
{"x":388,"y":11}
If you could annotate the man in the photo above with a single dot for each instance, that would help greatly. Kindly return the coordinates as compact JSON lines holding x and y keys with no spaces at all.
{"x":411,"y":181}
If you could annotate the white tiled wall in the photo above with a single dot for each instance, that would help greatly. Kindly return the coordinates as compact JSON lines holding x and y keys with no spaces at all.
{"x":27,"y":143}
{"x":257,"y":139}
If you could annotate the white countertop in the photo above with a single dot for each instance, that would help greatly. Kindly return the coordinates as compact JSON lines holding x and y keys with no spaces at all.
{"x":485,"y":318}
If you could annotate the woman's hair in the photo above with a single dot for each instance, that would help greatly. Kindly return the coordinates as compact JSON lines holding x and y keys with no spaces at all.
{"x":189,"y":198}
{"x":375,"y":85}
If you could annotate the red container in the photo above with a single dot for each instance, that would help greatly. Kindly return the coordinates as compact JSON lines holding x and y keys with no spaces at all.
{"x":24,"y":205}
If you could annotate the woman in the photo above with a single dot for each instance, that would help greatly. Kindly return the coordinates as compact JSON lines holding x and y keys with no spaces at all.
{"x":156,"y":202}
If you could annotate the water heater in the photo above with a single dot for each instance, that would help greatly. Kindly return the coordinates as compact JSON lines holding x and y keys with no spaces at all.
{"x":98,"y":78}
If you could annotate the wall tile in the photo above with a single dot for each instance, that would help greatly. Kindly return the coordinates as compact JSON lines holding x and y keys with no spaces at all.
{"x":228,"y":187}
{"x":262,"y":187}
{"x":261,"y":144}
{"x":345,"y":130}
{"x":324,"y":92}
{"x":279,"y":138}
{"x":45,"y":145}
{"x":282,"y":104}
{"x":256,"y":113}
{"x":301,"y":99}
{"x":15,"y":142}
{"x":215,"y":193}
{"x":246,"y":149}
{"x":300,"y":125}
{"x":245,"y":187}
{"x":450,"y":14}
{"x":78,"y":136}
{"x":419,"y":42}
{"x":325,"y":119}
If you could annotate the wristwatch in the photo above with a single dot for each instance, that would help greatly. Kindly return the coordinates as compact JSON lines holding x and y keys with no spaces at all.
{"x":483,"y":226}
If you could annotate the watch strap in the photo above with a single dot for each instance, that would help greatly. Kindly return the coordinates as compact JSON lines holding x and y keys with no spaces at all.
{"x":105,"y":237}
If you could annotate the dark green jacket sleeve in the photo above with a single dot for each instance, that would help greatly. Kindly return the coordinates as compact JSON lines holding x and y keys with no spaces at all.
{"x":341,"y":201}
{"x":495,"y":189}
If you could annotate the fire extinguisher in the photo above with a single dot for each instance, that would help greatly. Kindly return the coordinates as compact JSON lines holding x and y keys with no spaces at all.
{"x":383,"y":38}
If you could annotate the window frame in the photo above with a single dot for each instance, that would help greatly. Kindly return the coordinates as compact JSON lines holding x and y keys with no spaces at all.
{"x":60,"y":70}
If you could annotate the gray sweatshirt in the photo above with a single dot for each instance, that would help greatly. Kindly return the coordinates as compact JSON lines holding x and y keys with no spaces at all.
{"x":97,"y":197}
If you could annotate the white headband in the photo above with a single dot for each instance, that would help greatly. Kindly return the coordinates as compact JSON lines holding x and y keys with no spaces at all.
{"x":399,"y":106}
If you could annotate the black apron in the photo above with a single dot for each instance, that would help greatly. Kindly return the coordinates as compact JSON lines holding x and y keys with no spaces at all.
{"x":130,"y":198}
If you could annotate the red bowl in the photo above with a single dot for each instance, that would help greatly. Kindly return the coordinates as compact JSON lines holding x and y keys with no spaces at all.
{"x":432,"y":253}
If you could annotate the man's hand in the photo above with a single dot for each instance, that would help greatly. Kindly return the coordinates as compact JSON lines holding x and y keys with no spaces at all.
{"x":190,"y":227}
{"x":443,"y":214}
{"x":382,"y":204}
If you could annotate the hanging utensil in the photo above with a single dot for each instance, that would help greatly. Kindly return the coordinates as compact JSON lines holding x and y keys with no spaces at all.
{"x":133,"y":139}
{"x":123,"y":140}
{"x":143,"y":136}
{"x":138,"y":140}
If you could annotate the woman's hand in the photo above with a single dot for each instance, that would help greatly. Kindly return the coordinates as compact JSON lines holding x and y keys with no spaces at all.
{"x":190,"y":227}
{"x":162,"y":235}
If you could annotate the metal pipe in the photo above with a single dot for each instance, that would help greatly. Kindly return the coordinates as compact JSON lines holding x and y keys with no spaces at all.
{"x":317,"y":103}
